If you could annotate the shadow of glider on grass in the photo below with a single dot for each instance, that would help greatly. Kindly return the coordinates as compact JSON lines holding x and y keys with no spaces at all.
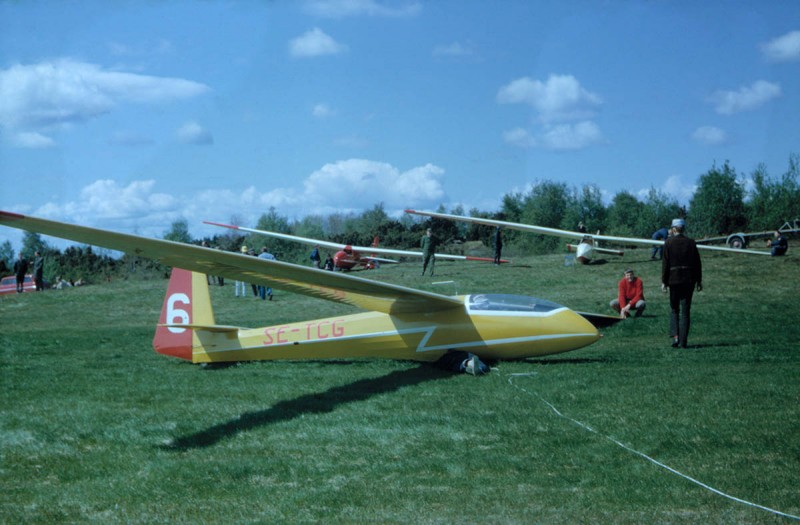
{"x":400,"y":322}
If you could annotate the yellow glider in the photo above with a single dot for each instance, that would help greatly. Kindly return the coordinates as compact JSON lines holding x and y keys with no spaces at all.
{"x":401,"y":322}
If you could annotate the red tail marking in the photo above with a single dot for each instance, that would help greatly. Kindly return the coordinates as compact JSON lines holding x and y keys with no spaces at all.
{"x":177,"y":309}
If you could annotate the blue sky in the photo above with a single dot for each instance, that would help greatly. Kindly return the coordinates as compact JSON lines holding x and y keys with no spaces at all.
{"x":130,"y":115}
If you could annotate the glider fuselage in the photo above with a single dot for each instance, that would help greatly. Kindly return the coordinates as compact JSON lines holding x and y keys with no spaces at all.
{"x":492,"y":326}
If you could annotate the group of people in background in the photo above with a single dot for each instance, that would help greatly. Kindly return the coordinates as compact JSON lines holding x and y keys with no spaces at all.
{"x":240,"y":287}
{"x":21,"y":267}
{"x":681,"y":276}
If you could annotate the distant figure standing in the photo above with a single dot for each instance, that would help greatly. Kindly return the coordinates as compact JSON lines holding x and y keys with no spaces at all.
{"x":315,"y":258}
{"x":38,"y":271}
{"x":581,"y":227}
{"x":20,"y":269}
{"x":779,"y":244}
{"x":428,"y":244}
{"x":498,"y":244}
{"x":682,"y":272}
{"x":630,"y":295}
{"x":658,"y":235}
{"x":265,"y":291}
{"x":328,"y":263}
{"x":240,"y":287}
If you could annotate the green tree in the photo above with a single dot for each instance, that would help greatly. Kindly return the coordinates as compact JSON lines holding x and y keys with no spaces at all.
{"x":717,"y":206}
{"x":773,"y":202}
{"x":586,"y":207}
{"x":657,"y":212}
{"x":311,"y":226}
{"x":546,"y":205}
{"x":6,"y":258}
{"x":623,"y":215}
{"x":179,"y":232}
{"x":274,"y":222}
{"x":32,"y":243}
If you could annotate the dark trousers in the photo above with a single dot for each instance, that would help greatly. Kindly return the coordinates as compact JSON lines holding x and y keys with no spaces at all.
{"x":680,"y":302}
{"x":426,"y":259}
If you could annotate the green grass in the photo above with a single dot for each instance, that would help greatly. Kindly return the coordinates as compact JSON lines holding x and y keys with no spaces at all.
{"x":97,"y":428}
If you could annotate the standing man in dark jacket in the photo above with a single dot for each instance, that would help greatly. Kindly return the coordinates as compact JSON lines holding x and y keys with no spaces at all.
{"x":428,"y":245}
{"x":38,"y":271}
{"x":498,"y":245}
{"x":682,"y":272}
{"x":20,"y":269}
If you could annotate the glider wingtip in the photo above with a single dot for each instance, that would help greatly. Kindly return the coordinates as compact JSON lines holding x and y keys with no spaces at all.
{"x":11,"y":215}
{"x":220,"y":224}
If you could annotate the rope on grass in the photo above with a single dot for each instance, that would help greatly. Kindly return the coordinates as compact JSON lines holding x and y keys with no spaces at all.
{"x":643,"y":455}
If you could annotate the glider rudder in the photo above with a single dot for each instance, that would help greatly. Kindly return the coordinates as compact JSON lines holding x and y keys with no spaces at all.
{"x":187,"y":303}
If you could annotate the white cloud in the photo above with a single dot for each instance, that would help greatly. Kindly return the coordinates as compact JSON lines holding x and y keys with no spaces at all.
{"x":108,"y":200}
{"x":194,"y":133}
{"x":747,"y":98}
{"x":572,"y":136}
{"x":314,"y":43}
{"x":710,"y":135}
{"x":681,"y":191}
{"x":520,"y":137}
{"x":359,"y":182}
{"x":784,"y":48}
{"x":322,"y":111}
{"x":559,"y":98}
{"x":345,"y":8}
{"x":562,"y":108}
{"x":58,"y":94}
{"x":559,"y":137}
{"x":352,"y":185}
{"x":32,"y":140}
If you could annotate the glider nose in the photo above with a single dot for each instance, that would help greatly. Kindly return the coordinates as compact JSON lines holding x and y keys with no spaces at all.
{"x":584,"y":333}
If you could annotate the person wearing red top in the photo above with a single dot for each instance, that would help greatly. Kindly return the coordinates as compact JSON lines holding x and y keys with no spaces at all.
{"x":631,"y":295}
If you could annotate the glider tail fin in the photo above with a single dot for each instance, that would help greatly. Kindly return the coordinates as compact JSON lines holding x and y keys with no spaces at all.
{"x":187,"y":303}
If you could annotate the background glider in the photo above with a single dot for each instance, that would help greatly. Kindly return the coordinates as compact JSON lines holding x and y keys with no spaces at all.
{"x":587,"y":241}
{"x":348,"y":256}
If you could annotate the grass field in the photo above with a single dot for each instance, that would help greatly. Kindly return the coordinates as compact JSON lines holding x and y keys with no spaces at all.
{"x":97,"y":428}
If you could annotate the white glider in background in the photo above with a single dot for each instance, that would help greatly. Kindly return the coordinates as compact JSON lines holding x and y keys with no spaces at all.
{"x":587,"y":242}
{"x":348,"y":256}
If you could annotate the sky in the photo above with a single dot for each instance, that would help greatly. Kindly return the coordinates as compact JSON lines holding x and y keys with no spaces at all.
{"x":130,"y":115}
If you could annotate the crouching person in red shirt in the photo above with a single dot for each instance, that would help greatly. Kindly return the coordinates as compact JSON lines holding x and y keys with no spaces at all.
{"x":631,"y":295}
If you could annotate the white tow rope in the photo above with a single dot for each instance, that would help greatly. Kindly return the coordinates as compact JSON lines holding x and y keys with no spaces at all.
{"x":642,"y":454}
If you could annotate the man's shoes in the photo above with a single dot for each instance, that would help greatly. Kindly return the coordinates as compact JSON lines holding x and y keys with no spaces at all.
{"x":475,"y":367}
{"x":675,"y":342}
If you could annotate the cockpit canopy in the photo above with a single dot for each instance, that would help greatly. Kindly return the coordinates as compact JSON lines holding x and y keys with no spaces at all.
{"x":509,"y":303}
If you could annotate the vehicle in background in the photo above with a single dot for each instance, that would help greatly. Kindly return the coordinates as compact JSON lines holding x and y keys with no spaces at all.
{"x":9,"y":284}
{"x":740,"y":240}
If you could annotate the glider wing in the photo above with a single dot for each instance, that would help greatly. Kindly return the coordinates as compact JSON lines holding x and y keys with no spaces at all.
{"x":361,"y":249}
{"x":566,"y":233}
{"x":332,"y":286}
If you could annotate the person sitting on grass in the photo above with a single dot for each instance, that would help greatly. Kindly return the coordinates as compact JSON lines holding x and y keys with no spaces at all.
{"x":631,"y":295}
{"x":779,"y":244}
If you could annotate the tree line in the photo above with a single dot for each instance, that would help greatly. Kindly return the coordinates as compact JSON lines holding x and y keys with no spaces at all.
{"x":724,"y":202}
